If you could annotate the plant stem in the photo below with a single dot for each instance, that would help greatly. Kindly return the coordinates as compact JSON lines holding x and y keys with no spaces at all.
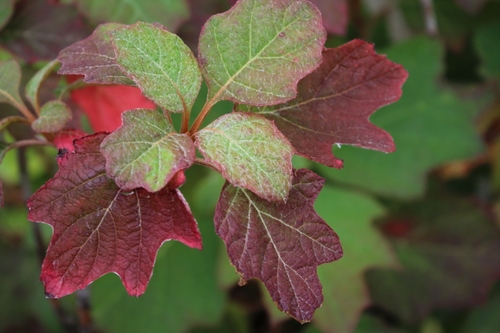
{"x":23,"y":109}
{"x":203,"y":113}
{"x":185,"y":121}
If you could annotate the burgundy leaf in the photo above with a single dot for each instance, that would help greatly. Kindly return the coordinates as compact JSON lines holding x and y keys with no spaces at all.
{"x":99,"y":228}
{"x":39,"y":30}
{"x":335,"y":101}
{"x":335,"y":15}
{"x":94,"y":57}
{"x":279,"y":243}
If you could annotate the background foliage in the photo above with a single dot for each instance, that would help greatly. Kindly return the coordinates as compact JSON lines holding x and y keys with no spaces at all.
{"x":419,"y":226}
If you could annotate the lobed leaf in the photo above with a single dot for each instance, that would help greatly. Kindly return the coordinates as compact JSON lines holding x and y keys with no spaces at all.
{"x":53,"y":117}
{"x":10,"y":78}
{"x":279,"y":243}
{"x":160,"y":63}
{"x":146,"y":151}
{"x":335,"y":101}
{"x":170,"y":13}
{"x":100,"y":228}
{"x":256,"y":52}
{"x":249,"y":151}
{"x":94,"y":57}
{"x":33,"y":85}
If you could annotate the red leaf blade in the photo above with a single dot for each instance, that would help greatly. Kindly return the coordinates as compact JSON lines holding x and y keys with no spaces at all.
{"x":98,"y":228}
{"x":280,"y":243}
{"x":335,"y":102}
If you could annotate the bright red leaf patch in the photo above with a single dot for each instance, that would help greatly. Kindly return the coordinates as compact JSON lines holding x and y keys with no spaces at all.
{"x":335,"y":101}
{"x":279,"y":243}
{"x":99,"y":228}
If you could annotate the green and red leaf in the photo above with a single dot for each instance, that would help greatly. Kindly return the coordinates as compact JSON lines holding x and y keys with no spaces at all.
{"x":146,"y":151}
{"x":53,"y":117}
{"x":279,"y":243}
{"x":249,"y":151}
{"x":100,"y":228}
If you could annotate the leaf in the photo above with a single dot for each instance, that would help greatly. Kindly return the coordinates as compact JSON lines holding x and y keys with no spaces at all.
{"x":183,"y":292}
{"x":335,"y":15}
{"x":94,"y":57}
{"x":33,"y":85}
{"x":38,"y":30}
{"x":99,"y":228}
{"x":160,"y":63}
{"x":53,"y":117}
{"x":351,"y":214}
{"x":170,"y":13}
{"x":256,"y":52}
{"x":64,"y":139}
{"x":484,"y":318}
{"x":488,"y":49}
{"x":279,"y":243}
{"x":249,"y":151}
{"x":335,"y":101}
{"x":103,"y":105}
{"x":10,"y":78}
{"x":6,"y":10}
{"x":425,"y":137}
{"x":146,"y":151}
{"x":450,"y":255}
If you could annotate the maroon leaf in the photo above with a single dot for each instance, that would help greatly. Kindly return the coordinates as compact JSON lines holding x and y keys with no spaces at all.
{"x":335,"y":15}
{"x":39,"y":30}
{"x":94,"y":57}
{"x":335,"y":101}
{"x":98,"y":228}
{"x":280,"y":243}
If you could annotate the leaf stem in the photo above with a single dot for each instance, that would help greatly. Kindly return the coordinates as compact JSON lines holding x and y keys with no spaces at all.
{"x":28,"y":142}
{"x":201,"y":116}
{"x":203,"y":162}
{"x":23,"y":109}
{"x":185,"y":121}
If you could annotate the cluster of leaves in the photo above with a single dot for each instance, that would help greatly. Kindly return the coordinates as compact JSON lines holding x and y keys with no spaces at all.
{"x":430,"y":250}
{"x":115,"y":198}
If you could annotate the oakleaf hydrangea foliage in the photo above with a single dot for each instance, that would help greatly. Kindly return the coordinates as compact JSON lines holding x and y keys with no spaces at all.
{"x":116,"y":197}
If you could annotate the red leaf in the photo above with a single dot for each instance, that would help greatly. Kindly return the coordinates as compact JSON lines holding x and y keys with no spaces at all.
{"x":335,"y":15}
{"x":98,"y":228}
{"x":280,"y":243}
{"x":335,"y":101}
{"x":104,"y":105}
{"x":64,"y":139}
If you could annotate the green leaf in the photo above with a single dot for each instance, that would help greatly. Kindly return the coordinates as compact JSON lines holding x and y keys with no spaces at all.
{"x":10,"y":78}
{"x":351,"y":215}
{"x":249,"y":151}
{"x":170,"y":13}
{"x":256,"y":52}
{"x":53,"y":117}
{"x":160,"y":63}
{"x":146,"y":151}
{"x":6,"y":10}
{"x":486,"y":41}
{"x":33,"y":85}
{"x":429,"y":125}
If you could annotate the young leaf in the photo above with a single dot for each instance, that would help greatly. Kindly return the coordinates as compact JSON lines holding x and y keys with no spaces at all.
{"x":99,"y":228}
{"x":280,"y":243}
{"x":160,"y":63}
{"x":256,"y":52}
{"x":146,"y":151}
{"x":33,"y":85}
{"x":94,"y":57}
{"x":249,"y":151}
{"x":53,"y":117}
{"x":335,"y":101}
{"x":170,"y":13}
{"x":10,"y":78}
{"x":104,"y":105}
